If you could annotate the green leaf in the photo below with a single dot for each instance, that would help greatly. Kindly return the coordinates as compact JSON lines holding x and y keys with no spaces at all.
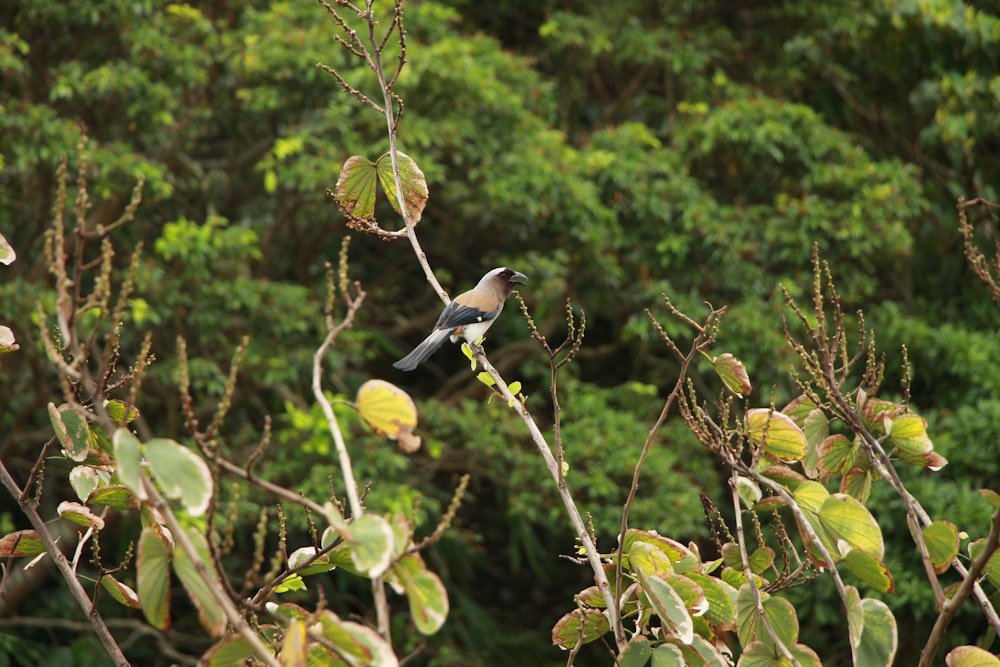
{"x":153,"y":577}
{"x":358,"y":644}
{"x":721,"y":599}
{"x":816,"y":428}
{"x":668,"y":655}
{"x":992,"y":569}
{"x":690,"y":593}
{"x":402,"y":534}
{"x":761,"y":559}
{"x":579,"y":626}
{"x":836,"y":455}
{"x":270,"y":181}
{"x":181,"y":474}
{"x":636,"y":653}
{"x":79,"y":514}
{"x":646,"y":559}
{"x":115,"y":496}
{"x":857,"y":483}
{"x":71,"y":430}
{"x":683,"y":559}
{"x":127,"y":455}
{"x":84,"y":479}
{"x":847,"y":519}
{"x":909,"y":434}
{"x":875,"y":412}
{"x":942,"y":542}
{"x":228,"y":652}
{"x":210,"y":613}
{"x":372,"y":544}
{"x":779,"y":612}
{"x":872,"y":631}
{"x":669,"y":607}
{"x":120,"y":412}
{"x":120,"y":592}
{"x":870,"y":570}
{"x":413,"y":181}
{"x":810,"y":496}
{"x":779,"y":435}
{"x":761,"y":654}
{"x":428,"y":601}
{"x":21,"y":543}
{"x":733,"y":374}
{"x":291,"y":583}
{"x":990,"y":496}
{"x":783,"y":475}
{"x":799,"y":408}
{"x":749,"y":491}
{"x":825,"y":538}
{"x":355,"y":190}
{"x":338,"y":525}
{"x":701,"y":653}
{"x":591,"y":597}
{"x":731,"y":555}
{"x":300,"y":556}
{"x":971,"y":656}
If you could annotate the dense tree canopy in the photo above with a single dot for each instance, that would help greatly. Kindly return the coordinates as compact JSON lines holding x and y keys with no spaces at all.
{"x":614,"y":152}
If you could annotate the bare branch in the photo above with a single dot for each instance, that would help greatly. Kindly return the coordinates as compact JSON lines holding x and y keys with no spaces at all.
{"x":555,"y":471}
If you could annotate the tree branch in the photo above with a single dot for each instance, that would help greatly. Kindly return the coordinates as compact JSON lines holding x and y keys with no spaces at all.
{"x":593,"y":557}
{"x":65,"y":569}
{"x":951,"y":606}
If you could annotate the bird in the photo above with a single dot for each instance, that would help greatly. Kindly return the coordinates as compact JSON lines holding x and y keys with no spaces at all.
{"x":468,"y":316}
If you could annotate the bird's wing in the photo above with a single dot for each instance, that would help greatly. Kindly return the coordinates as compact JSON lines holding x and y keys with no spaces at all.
{"x":469,"y":308}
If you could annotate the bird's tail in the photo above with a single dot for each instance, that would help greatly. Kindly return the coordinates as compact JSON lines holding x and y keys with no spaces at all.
{"x":420,"y":353}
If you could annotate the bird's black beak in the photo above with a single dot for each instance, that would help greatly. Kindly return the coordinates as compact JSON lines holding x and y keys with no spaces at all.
{"x":519,"y":278}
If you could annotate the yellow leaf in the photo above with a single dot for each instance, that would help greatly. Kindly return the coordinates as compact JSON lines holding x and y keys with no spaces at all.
{"x":386,"y":408}
{"x":293,"y":647}
{"x":780,"y":436}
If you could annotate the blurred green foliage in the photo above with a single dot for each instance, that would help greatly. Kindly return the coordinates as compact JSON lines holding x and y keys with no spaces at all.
{"x":611,"y":151}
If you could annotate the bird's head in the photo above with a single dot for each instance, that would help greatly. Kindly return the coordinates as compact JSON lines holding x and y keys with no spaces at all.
{"x":503,"y":279}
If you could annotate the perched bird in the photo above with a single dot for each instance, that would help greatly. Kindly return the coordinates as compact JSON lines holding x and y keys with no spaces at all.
{"x":468,"y":316}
